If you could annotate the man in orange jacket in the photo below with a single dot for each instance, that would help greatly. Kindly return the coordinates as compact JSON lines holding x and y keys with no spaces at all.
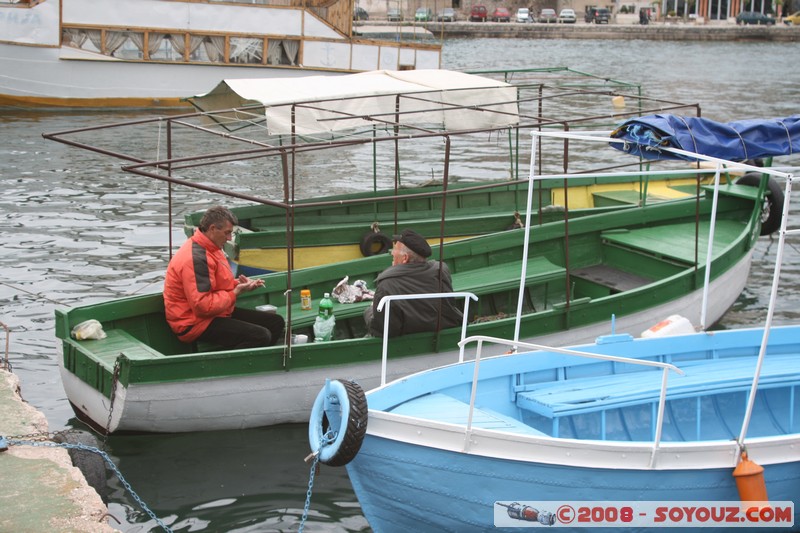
{"x":200,"y":291}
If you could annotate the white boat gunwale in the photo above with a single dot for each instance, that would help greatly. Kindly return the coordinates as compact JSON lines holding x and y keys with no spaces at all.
{"x":595,"y":454}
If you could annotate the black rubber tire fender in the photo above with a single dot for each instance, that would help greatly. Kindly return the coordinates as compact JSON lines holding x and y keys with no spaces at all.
{"x":374,"y":243}
{"x":351,"y":426}
{"x":773,"y":210}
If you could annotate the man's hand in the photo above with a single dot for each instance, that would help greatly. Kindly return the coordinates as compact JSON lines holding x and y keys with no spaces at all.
{"x":246,"y":285}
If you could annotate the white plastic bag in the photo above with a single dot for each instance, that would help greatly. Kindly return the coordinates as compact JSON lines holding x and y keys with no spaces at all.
{"x":323,"y":328}
{"x":90,"y":329}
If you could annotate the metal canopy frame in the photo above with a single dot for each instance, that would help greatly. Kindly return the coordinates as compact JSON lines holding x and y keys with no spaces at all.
{"x":557,"y":99}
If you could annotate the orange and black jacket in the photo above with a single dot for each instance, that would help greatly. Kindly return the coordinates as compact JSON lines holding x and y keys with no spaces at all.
{"x":198,"y":287}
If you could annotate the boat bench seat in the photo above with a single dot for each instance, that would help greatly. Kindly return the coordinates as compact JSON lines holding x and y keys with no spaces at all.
{"x":503,"y":277}
{"x":340,"y":310}
{"x":486,"y":280}
{"x":119,"y":341}
{"x":673,"y":244}
{"x":589,"y":394}
{"x":616,"y":198}
{"x":444,"y":408}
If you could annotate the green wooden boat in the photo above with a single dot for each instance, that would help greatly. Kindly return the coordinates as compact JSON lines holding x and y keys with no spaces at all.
{"x":349,"y":226}
{"x":637,"y":264}
{"x":630,"y":267}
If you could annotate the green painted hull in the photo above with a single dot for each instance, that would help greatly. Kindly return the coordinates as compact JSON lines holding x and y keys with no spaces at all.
{"x":638,"y":265}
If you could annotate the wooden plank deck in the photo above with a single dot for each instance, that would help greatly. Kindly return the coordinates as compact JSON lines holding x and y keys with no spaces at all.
{"x":118,"y":342}
{"x":503,"y":277}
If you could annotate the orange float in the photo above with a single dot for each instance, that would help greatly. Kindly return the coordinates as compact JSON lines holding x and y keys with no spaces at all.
{"x":750,"y":480}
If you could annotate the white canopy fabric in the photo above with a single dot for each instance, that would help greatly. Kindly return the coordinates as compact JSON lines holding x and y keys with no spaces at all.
{"x":327,"y":104}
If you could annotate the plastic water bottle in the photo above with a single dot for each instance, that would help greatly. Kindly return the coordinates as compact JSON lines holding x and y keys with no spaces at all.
{"x":326,"y":306}
{"x":325,"y":321}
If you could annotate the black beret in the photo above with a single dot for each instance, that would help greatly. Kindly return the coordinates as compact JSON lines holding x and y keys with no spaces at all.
{"x":414,"y":242}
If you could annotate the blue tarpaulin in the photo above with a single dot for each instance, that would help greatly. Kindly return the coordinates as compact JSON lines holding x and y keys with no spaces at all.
{"x":733,"y":141}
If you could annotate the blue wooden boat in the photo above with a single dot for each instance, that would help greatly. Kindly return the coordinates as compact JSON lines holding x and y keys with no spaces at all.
{"x":551,"y":435}
{"x":545,"y":428}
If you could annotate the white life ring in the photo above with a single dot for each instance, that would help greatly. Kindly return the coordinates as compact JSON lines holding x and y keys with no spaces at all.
{"x":338,"y":422}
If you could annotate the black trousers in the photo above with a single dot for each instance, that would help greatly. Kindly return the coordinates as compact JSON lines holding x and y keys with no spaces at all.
{"x":245,"y":328}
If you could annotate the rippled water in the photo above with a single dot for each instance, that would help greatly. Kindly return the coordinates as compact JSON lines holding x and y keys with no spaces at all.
{"x":75,"y":229}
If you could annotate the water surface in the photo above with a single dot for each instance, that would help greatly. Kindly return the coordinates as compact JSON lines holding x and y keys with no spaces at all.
{"x":75,"y":229}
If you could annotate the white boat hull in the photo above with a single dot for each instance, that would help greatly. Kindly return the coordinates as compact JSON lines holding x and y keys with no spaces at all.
{"x":69,"y":78}
{"x":38,"y":70}
{"x":224,"y":403}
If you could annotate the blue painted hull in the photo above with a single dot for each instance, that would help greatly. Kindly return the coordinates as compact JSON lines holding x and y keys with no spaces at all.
{"x":403,"y":487}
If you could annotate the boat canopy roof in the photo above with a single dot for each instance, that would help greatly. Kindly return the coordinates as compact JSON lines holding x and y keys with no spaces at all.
{"x":741,"y":140}
{"x":325,"y":104}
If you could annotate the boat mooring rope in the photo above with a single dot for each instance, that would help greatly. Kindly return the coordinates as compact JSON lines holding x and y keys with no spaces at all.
{"x":13,"y":441}
{"x":31,"y":293}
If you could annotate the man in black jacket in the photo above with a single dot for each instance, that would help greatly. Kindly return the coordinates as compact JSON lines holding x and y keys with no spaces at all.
{"x":412,"y":273}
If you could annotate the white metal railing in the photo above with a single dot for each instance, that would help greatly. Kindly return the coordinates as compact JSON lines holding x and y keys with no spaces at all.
{"x":480,"y":339}
{"x":387,"y":300}
{"x":718,"y":164}
{"x":773,"y":296}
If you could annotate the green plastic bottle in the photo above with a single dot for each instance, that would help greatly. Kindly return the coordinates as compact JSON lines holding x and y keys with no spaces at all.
{"x":326,"y":306}
{"x":325,"y":321}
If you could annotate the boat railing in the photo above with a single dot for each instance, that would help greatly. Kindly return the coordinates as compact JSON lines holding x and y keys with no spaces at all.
{"x":783,"y":232}
{"x":386,"y":302}
{"x":480,"y":339}
{"x":720,"y":166}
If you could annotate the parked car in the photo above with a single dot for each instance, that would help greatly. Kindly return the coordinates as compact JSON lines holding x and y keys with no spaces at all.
{"x":501,"y":14}
{"x":478,"y":13}
{"x":793,"y":19}
{"x":360,"y":13}
{"x":447,"y":14}
{"x":754,"y":17}
{"x":548,"y":15}
{"x":597,"y":15}
{"x":423,"y":14}
{"x":394,"y":14}
{"x":523,"y":15}
{"x":567,"y":16}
